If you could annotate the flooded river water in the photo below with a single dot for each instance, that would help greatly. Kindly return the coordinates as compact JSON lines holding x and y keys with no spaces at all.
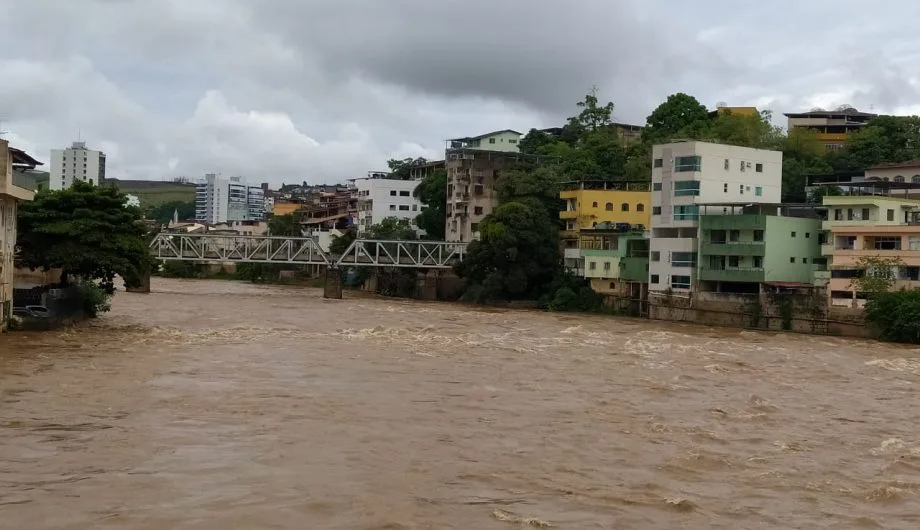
{"x":219,"y":405}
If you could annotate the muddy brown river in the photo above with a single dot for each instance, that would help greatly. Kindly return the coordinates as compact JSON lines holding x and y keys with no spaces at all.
{"x":215,"y":405}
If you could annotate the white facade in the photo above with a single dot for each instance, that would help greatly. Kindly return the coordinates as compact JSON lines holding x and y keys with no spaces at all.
{"x":218,"y":200}
{"x":379,"y":199}
{"x":686,"y":175}
{"x":76,"y":163}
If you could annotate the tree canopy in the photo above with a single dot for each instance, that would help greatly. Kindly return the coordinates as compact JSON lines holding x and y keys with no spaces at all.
{"x":401,"y":169}
{"x":163,"y":213}
{"x":283,"y":225}
{"x":432,"y":193}
{"x":87,"y":231}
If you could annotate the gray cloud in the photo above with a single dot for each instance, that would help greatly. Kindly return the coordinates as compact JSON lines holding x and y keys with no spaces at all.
{"x":320,"y":91}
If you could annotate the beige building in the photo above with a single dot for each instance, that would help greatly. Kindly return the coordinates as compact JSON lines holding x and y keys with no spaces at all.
{"x":908,"y":171}
{"x":832,"y":128}
{"x":473,"y":165}
{"x":11,"y":193}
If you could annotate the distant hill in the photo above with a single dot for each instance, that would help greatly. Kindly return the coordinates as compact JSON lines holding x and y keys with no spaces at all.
{"x":154,"y":193}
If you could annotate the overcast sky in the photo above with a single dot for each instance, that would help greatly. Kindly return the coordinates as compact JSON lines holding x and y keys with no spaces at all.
{"x":323,"y":90}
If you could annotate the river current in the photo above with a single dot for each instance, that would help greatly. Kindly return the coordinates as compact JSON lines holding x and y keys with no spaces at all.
{"x":213,"y":405}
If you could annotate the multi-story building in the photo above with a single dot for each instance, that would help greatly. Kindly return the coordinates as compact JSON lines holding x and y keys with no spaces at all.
{"x":614,"y":258}
{"x":590,"y":204}
{"x":380,"y":198}
{"x":420,"y":171}
{"x":218,"y":200}
{"x":870,"y":226}
{"x":688,"y":174}
{"x":11,"y":193}
{"x":908,"y":171}
{"x":473,"y":165}
{"x":76,"y":163}
{"x":758,"y":243}
{"x":832,"y":127}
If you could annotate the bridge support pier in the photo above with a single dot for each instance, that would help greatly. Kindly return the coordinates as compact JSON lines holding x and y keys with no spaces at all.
{"x":144,"y":287}
{"x":333,"y":286}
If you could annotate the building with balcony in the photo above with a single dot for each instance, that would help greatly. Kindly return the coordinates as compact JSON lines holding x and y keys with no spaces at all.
{"x":686,"y":175}
{"x":473,"y":165}
{"x":898,"y":172}
{"x":219,"y":200}
{"x":76,"y":163}
{"x":865,"y":227}
{"x":420,"y":170}
{"x":12,"y":192}
{"x":759,"y":244}
{"x":832,"y":127}
{"x":379,"y":198}
{"x":613,"y":257}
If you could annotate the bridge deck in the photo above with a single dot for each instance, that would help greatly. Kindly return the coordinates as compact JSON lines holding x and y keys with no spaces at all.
{"x":305,"y":251}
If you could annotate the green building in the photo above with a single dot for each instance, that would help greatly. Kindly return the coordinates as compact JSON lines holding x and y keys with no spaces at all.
{"x":760,"y":244}
{"x":613,"y":258}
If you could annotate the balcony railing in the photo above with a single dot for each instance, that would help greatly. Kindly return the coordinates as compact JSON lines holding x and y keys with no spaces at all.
{"x":747,"y":248}
{"x":734,"y":274}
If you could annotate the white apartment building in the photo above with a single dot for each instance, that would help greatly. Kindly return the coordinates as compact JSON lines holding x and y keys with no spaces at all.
{"x":76,"y":163}
{"x":219,"y":200}
{"x":380,"y":198}
{"x":688,"y":174}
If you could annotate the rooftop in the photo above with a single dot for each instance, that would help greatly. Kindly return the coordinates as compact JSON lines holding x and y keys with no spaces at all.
{"x":21,"y":158}
{"x":839,"y":113}
{"x":895,"y":165}
{"x":481,"y":136}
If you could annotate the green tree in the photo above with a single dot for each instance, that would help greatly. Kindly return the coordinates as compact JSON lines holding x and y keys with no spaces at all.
{"x":536,"y":142}
{"x":86,"y":231}
{"x":883,"y":139}
{"x":432,"y":193}
{"x":341,"y":243}
{"x":746,"y":130}
{"x":163,"y":213}
{"x":283,"y":225}
{"x":876,"y":275}
{"x":816,"y":195}
{"x":392,"y":229}
{"x":680,"y":115}
{"x":538,"y":187}
{"x":401,"y":169}
{"x":516,"y":257}
{"x":895,"y":316}
{"x":593,"y":116}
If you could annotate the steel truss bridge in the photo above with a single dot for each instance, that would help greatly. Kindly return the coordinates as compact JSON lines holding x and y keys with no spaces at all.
{"x":305,"y":251}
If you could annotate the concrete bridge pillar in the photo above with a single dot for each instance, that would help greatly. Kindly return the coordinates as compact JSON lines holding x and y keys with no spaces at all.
{"x":333,"y":286}
{"x":144,"y":287}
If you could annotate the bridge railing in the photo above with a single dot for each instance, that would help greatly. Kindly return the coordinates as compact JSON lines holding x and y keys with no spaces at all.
{"x":304,"y":250}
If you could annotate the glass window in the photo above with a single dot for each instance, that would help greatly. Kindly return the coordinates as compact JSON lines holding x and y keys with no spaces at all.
{"x":656,"y":255}
{"x":690,"y":212}
{"x":393,"y":207}
{"x":680,"y":282}
{"x":392,"y":193}
{"x":717,"y":236}
{"x":658,"y":162}
{"x":656,"y":210}
{"x":758,"y":262}
{"x":683,"y":259}
{"x":791,"y":260}
{"x":891,"y":215}
{"x":734,"y":261}
{"x":592,"y":265}
{"x":734,"y":236}
{"x":609,"y":206}
{"x":758,"y":191}
{"x":654,"y":278}
{"x":793,"y":234}
{"x":404,"y":193}
{"x":404,"y":207}
{"x":758,"y":168}
{"x":491,"y":140}
{"x":725,"y":188}
{"x":805,"y":260}
{"x":687,"y":163}
{"x":758,"y":235}
{"x":624,"y":207}
{"x":656,"y":186}
{"x":726,"y":166}
{"x":594,"y":204}
{"x":640,"y":207}
{"x":865,"y":214}
{"x":685,"y":188}
{"x":606,"y":265}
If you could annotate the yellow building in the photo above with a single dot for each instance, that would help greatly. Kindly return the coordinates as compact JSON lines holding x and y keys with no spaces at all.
{"x":285,"y":208}
{"x":12,"y":191}
{"x":734,"y":111}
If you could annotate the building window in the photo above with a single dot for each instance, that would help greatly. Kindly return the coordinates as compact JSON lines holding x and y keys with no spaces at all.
{"x":477,"y":210}
{"x":656,"y":186}
{"x":807,"y":235}
{"x":491,"y":140}
{"x":687,"y":213}
{"x":392,"y":207}
{"x":758,"y":191}
{"x":640,"y":207}
{"x":758,"y":168}
{"x":887,"y":243}
{"x":850,"y":214}
{"x":727,"y":164}
{"x":609,"y":206}
{"x":392,"y":193}
{"x":734,"y":261}
{"x":742,"y":166}
{"x":512,"y":141}
{"x":865,"y":214}
{"x":686,"y":188}
{"x":899,"y":178}
{"x":624,"y":207}
{"x":415,"y":207}
{"x":683,"y":259}
{"x":805,"y":261}
{"x":891,"y":215}
{"x":656,"y":210}
{"x":791,"y":260}
{"x":725,"y":188}
{"x":655,"y":255}
{"x":404,"y":193}
{"x":687,"y":163}
{"x":606,"y":265}
{"x":658,"y":162}
{"x":474,"y":227}
{"x":793,"y":234}
{"x":741,"y":189}
{"x":592,"y":265}
{"x":654,"y":278}
{"x":680,"y":282}
{"x":594,"y":204}
{"x":734,"y":236}
{"x":758,"y":262}
{"x":915,"y":179}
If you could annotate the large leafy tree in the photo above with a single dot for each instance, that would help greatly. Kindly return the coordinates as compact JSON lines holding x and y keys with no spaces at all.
{"x":680,"y":115}
{"x":432,"y":192}
{"x":86,"y":231}
{"x":283,"y":225}
{"x":400,"y":169}
{"x":517,"y":255}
